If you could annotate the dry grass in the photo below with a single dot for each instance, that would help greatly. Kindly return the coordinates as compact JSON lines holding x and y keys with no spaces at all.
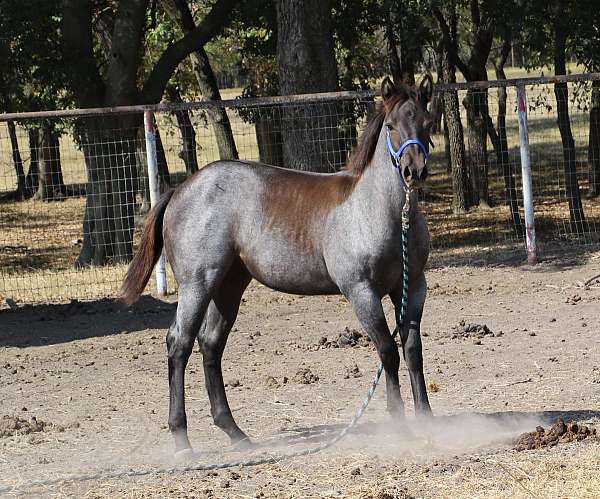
{"x":527,"y":475}
{"x":571,"y":471}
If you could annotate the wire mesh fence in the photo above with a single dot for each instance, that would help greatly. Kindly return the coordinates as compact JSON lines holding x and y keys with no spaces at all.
{"x":74,"y":188}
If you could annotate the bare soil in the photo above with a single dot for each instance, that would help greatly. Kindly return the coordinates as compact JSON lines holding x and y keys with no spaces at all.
{"x":507,"y":348}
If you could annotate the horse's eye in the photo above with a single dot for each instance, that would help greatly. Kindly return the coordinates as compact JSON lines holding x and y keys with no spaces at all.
{"x":389,"y":126}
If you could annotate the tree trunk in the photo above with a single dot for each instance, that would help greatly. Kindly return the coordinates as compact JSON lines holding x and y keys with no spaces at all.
{"x":578,"y":223}
{"x":475,"y":102}
{"x":401,"y":47}
{"x":188,"y":139}
{"x":502,"y":149}
{"x":477,"y":137}
{"x":306,"y":63}
{"x":17,"y":160}
{"x":460,"y":182}
{"x":109,"y":145}
{"x":32,"y":179}
{"x":188,"y":134}
{"x":447,"y":153}
{"x":179,"y":11}
{"x":441,"y":115}
{"x":50,"y":180}
{"x":561,"y":91}
{"x":109,"y":151}
{"x":347,"y":125}
{"x":268,"y":137}
{"x":392,"y":45}
{"x":594,"y":141}
{"x":207,"y":84}
{"x":164,"y":177}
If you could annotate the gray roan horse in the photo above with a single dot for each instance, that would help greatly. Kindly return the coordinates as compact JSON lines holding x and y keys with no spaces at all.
{"x":301,"y":233}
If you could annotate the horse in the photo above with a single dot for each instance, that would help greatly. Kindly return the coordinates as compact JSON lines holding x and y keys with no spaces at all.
{"x":299,"y":233}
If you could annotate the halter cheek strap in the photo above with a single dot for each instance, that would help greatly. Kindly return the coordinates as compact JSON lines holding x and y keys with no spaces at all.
{"x":397,"y":154}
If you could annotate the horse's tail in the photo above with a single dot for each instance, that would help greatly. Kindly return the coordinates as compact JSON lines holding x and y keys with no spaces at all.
{"x":148,"y":253}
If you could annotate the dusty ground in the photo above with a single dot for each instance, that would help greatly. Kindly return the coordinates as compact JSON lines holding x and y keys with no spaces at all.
{"x":94,"y":377}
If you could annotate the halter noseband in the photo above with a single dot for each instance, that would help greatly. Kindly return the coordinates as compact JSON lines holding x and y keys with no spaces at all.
{"x":397,"y":154}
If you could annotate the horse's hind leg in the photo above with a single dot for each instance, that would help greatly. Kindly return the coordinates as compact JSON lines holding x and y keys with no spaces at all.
{"x":193,"y":301}
{"x":410,"y":335}
{"x":220,"y":317}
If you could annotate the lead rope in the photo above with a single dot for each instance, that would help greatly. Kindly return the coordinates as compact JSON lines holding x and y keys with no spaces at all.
{"x":262,"y":459}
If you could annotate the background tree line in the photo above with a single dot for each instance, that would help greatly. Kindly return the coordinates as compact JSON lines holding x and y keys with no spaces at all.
{"x":94,"y":53}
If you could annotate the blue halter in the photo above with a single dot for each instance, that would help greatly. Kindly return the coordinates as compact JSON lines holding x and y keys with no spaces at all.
{"x":397,"y":154}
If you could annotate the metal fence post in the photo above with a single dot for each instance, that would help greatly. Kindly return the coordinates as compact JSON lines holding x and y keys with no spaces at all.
{"x":526,"y":174}
{"x":160,"y":269}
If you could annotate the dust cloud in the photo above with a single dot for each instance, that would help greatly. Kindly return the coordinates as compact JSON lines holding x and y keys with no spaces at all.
{"x":441,"y":435}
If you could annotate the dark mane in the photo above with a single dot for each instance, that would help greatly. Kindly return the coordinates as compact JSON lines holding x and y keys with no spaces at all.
{"x":296,"y":203}
{"x":363,"y":153}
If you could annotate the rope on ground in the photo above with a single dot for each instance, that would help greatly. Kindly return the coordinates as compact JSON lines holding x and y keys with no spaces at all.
{"x":102,"y":475}
{"x":591,"y":280}
{"x":132,"y":473}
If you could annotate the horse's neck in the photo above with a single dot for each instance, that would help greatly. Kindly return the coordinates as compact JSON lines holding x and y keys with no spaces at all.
{"x":380,"y":191}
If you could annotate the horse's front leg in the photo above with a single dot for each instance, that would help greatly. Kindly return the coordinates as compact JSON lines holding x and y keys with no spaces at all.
{"x":368,"y":309}
{"x":410,"y":335}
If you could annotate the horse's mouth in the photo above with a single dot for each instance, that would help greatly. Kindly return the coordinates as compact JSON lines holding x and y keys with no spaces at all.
{"x":413,"y":183}
{"x":414,"y":179}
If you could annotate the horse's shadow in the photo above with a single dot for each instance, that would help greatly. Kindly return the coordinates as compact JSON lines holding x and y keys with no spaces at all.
{"x":500,"y":425}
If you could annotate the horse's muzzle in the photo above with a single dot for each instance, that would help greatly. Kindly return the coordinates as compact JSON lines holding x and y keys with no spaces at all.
{"x":414,"y":176}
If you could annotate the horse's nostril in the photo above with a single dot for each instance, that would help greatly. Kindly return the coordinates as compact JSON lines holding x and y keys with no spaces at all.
{"x":406,"y":172}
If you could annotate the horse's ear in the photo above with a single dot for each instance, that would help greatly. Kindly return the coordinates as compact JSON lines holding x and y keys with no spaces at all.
{"x":426,"y":90}
{"x":387,"y":88}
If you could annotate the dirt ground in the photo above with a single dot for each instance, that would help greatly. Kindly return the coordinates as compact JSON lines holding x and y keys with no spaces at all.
{"x":507,"y":347}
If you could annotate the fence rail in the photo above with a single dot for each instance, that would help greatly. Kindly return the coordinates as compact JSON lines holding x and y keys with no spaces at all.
{"x":288,"y":99}
{"x":74,"y":184}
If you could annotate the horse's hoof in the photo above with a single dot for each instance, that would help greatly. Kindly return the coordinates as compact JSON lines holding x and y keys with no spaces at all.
{"x":424,"y":414}
{"x":242,"y":444}
{"x":184,"y":455}
{"x":397,"y":414}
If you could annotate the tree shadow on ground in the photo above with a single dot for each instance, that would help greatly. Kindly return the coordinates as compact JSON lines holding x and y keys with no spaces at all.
{"x":39,"y":325}
{"x":552,"y":256}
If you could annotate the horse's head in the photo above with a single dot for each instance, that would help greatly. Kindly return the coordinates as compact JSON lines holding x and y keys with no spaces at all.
{"x":408,"y":127}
